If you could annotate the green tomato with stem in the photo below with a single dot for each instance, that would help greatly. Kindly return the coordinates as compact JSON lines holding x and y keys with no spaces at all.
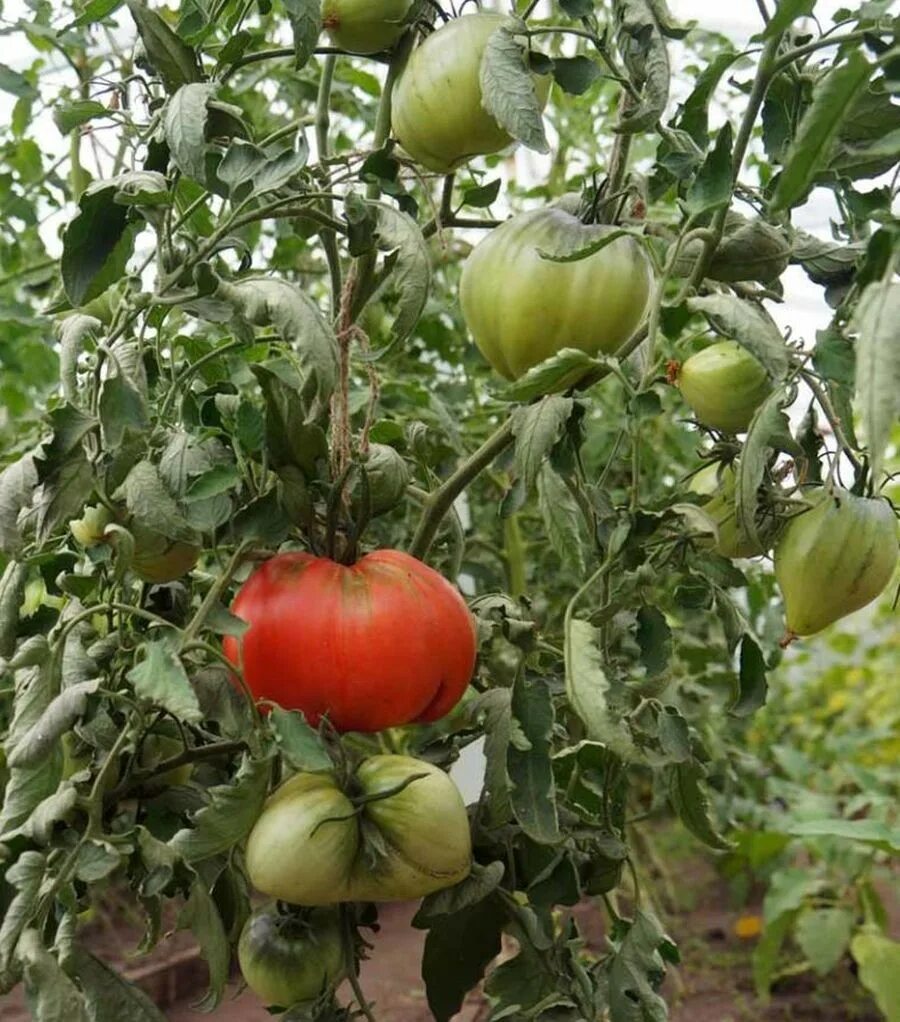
{"x":724,"y":385}
{"x":365,"y":26}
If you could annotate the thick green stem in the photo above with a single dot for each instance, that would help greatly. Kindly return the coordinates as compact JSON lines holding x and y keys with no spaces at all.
{"x":323,"y":122}
{"x":514,"y":549}
{"x":441,"y":500}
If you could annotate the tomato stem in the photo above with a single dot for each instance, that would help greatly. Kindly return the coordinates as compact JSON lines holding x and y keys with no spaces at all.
{"x":347,"y":932}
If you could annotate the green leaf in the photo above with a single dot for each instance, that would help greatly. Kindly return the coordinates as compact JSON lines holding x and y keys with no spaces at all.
{"x":458,"y":949}
{"x":537,"y":428}
{"x":878,"y":958}
{"x":97,"y":244}
{"x":406,"y":254}
{"x":750,"y":325}
{"x":690,"y":802}
{"x":218,"y":479}
{"x":752,"y":686}
{"x":151,"y":505}
{"x":12,"y":591}
{"x":587,"y":688}
{"x":554,"y":375}
{"x":161,"y":679}
{"x":110,"y":996}
{"x":829,"y":263}
{"x":69,"y":116}
{"x":811,"y":147}
{"x":824,"y":936}
{"x":17,"y":483}
{"x":575,"y":75}
{"x":635,"y":972}
{"x":28,"y":786}
{"x":508,"y":91}
{"x":639,"y":38}
{"x":50,"y":994}
{"x":711,"y":188}
{"x":694,"y":111}
{"x":25,"y":876}
{"x":869,"y":832}
{"x":655,"y":640}
{"x":201,"y":915}
{"x":767,"y":952}
{"x":788,"y":890}
{"x":877,"y":322}
{"x":184,"y":124}
{"x":227,"y":819}
{"x":562,"y":518}
{"x":95,"y":10}
{"x":769,"y":430}
{"x":478,"y":885}
{"x":306,"y":25}
{"x":16,"y":84}
{"x":481,"y":196}
{"x":175,"y":61}
{"x":122,"y":407}
{"x":265,"y":301}
{"x":530,"y":770}
{"x":60,"y":714}
{"x":299,"y":743}
{"x":785,"y":15}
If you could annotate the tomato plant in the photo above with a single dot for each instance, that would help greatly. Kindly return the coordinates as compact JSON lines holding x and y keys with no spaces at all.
{"x":339,"y":451}
{"x":383,"y":642}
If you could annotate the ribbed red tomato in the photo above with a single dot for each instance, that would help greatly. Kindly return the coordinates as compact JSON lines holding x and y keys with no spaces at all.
{"x":384,"y":642}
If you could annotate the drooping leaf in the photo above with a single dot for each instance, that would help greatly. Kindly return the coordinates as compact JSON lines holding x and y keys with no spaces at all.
{"x":636,"y":971}
{"x":640,"y":40}
{"x":160,"y":678}
{"x":812,"y":144}
{"x":752,"y":686}
{"x":109,"y":995}
{"x":530,"y":770}
{"x":299,"y":743}
{"x":200,"y":914}
{"x":458,"y":949}
{"x":711,"y":188}
{"x":691,"y":803}
{"x":876,"y":320}
{"x":175,"y":61}
{"x":537,"y":428}
{"x":749,"y":325}
{"x":477,"y":886}
{"x":562,"y":518}
{"x":824,"y":936}
{"x":184,"y":123}
{"x":50,"y":994}
{"x":227,"y":819}
{"x":508,"y":91}
{"x":306,"y":24}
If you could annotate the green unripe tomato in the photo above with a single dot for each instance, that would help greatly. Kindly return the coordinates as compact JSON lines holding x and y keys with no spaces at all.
{"x":158,"y":559}
{"x":834,"y":558}
{"x":437,"y":113}
{"x":89,"y":529}
{"x":289,"y":957}
{"x":732,"y":540}
{"x":724,"y":385}
{"x":365,"y":26}
{"x":522,"y":308}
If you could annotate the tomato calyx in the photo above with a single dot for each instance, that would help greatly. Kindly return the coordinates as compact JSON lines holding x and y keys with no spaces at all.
{"x":360,"y":800}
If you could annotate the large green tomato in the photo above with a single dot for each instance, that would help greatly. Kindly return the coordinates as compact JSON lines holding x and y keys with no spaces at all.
{"x":724,"y":384}
{"x":522,"y":308}
{"x":437,"y":113}
{"x":287,"y":957}
{"x":365,"y":26}
{"x":158,"y":559}
{"x":732,"y":540}
{"x":834,"y":558}
{"x":313,"y":846}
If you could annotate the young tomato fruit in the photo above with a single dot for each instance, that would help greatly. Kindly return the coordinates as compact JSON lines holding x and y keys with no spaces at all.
{"x":384,"y":642}
{"x":522,"y":308}
{"x":365,"y":26}
{"x":718,"y":484}
{"x":437,"y":113}
{"x":314,"y":844}
{"x":834,"y":558}
{"x":286,"y":957}
{"x":724,"y":385}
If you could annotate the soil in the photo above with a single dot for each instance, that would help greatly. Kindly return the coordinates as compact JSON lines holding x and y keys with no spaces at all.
{"x":713,"y":984}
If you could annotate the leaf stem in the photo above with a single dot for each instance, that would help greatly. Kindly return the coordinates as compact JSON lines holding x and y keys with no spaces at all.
{"x":351,"y":964}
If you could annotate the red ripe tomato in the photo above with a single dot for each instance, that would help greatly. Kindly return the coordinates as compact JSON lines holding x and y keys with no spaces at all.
{"x":384,"y":642}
